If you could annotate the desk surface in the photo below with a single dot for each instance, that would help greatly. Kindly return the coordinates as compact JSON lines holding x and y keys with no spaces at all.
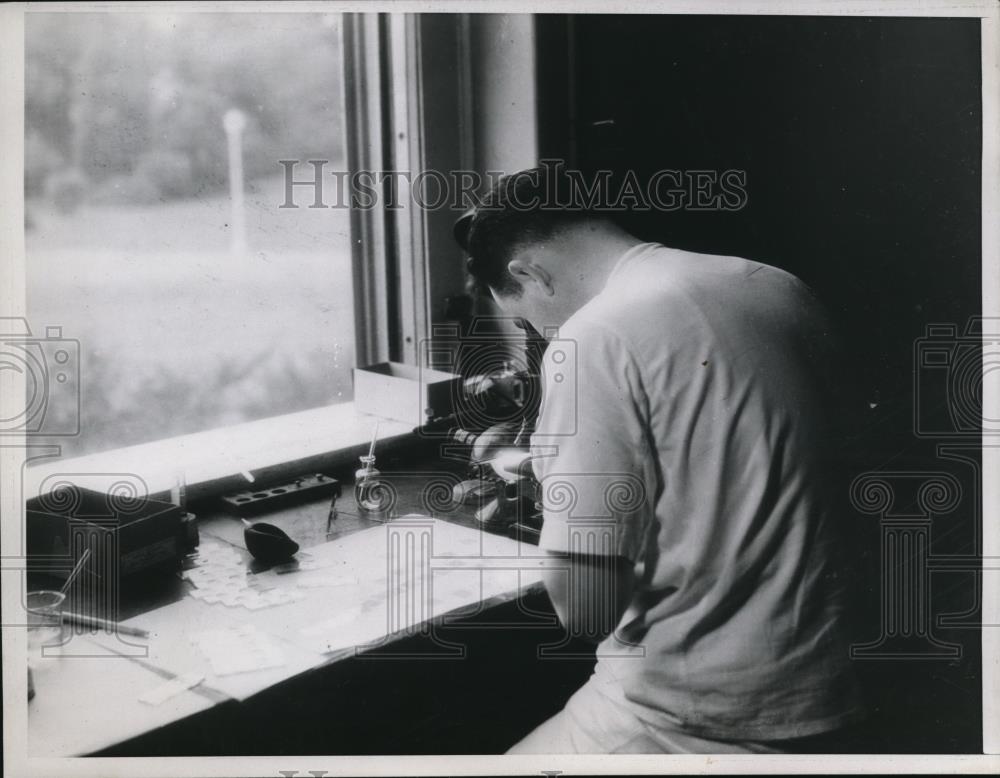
{"x":359,"y":587}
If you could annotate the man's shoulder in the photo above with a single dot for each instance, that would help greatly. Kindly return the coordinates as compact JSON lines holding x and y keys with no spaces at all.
{"x":676,"y":303}
{"x":671,"y":286}
{"x":652,"y":288}
{"x":661,"y":264}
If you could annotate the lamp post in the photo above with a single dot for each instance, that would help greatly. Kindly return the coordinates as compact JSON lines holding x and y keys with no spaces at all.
{"x":234,"y":123}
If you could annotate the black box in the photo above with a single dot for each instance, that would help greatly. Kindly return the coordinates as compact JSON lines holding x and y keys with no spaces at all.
{"x":126,"y":535}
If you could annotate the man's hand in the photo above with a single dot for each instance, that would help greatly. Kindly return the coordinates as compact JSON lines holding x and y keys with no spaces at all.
{"x":589,"y":593}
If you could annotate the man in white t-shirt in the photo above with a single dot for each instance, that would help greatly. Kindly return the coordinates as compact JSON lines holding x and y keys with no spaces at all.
{"x":687,"y":501}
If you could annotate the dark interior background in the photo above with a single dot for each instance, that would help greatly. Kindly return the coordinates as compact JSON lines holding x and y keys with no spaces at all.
{"x":861,"y":142}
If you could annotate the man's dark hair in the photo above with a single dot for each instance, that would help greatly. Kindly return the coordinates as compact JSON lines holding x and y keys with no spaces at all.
{"x":523,"y":208}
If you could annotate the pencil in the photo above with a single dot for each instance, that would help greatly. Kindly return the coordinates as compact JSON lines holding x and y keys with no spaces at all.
{"x":99,"y":623}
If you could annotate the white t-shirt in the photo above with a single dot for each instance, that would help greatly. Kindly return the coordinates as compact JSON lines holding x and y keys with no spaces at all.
{"x":684,"y":427}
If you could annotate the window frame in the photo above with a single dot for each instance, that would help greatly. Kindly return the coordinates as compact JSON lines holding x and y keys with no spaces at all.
{"x":383,"y":123}
{"x":385,"y":134}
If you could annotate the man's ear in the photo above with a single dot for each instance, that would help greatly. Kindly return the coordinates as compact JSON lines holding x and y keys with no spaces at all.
{"x":524,"y":270}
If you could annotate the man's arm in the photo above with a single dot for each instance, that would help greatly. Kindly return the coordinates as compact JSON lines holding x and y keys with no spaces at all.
{"x":589,"y":593}
{"x":596,"y":475}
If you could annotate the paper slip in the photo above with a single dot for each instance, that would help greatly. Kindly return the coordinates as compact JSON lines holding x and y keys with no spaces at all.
{"x":342,"y":619}
{"x":351,"y":627}
{"x":221,"y":577}
{"x":301,"y":563}
{"x":317,"y":580}
{"x":171,"y":688}
{"x":246,"y":597}
{"x":238,"y":649}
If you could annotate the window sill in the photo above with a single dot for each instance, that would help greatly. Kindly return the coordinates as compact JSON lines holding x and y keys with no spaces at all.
{"x":213,"y":461}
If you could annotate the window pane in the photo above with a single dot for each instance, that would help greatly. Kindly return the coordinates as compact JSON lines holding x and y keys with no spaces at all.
{"x":185,"y":320}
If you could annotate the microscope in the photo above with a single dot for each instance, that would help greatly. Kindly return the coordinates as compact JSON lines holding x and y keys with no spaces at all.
{"x":499,"y":480}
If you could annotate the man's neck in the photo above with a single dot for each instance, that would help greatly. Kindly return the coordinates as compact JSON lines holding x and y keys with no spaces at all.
{"x":599,"y":247}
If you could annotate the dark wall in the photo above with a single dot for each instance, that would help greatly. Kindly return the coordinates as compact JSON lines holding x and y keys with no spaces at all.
{"x":860,"y":138}
{"x":861,"y":142}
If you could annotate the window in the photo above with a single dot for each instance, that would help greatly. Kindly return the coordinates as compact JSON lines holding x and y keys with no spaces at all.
{"x":196,"y":301}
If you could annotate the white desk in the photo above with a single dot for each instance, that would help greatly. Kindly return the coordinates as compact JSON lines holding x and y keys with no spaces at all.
{"x":392,"y":581}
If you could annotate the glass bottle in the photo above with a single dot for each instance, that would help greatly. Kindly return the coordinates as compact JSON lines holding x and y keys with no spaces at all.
{"x":369,"y":492}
